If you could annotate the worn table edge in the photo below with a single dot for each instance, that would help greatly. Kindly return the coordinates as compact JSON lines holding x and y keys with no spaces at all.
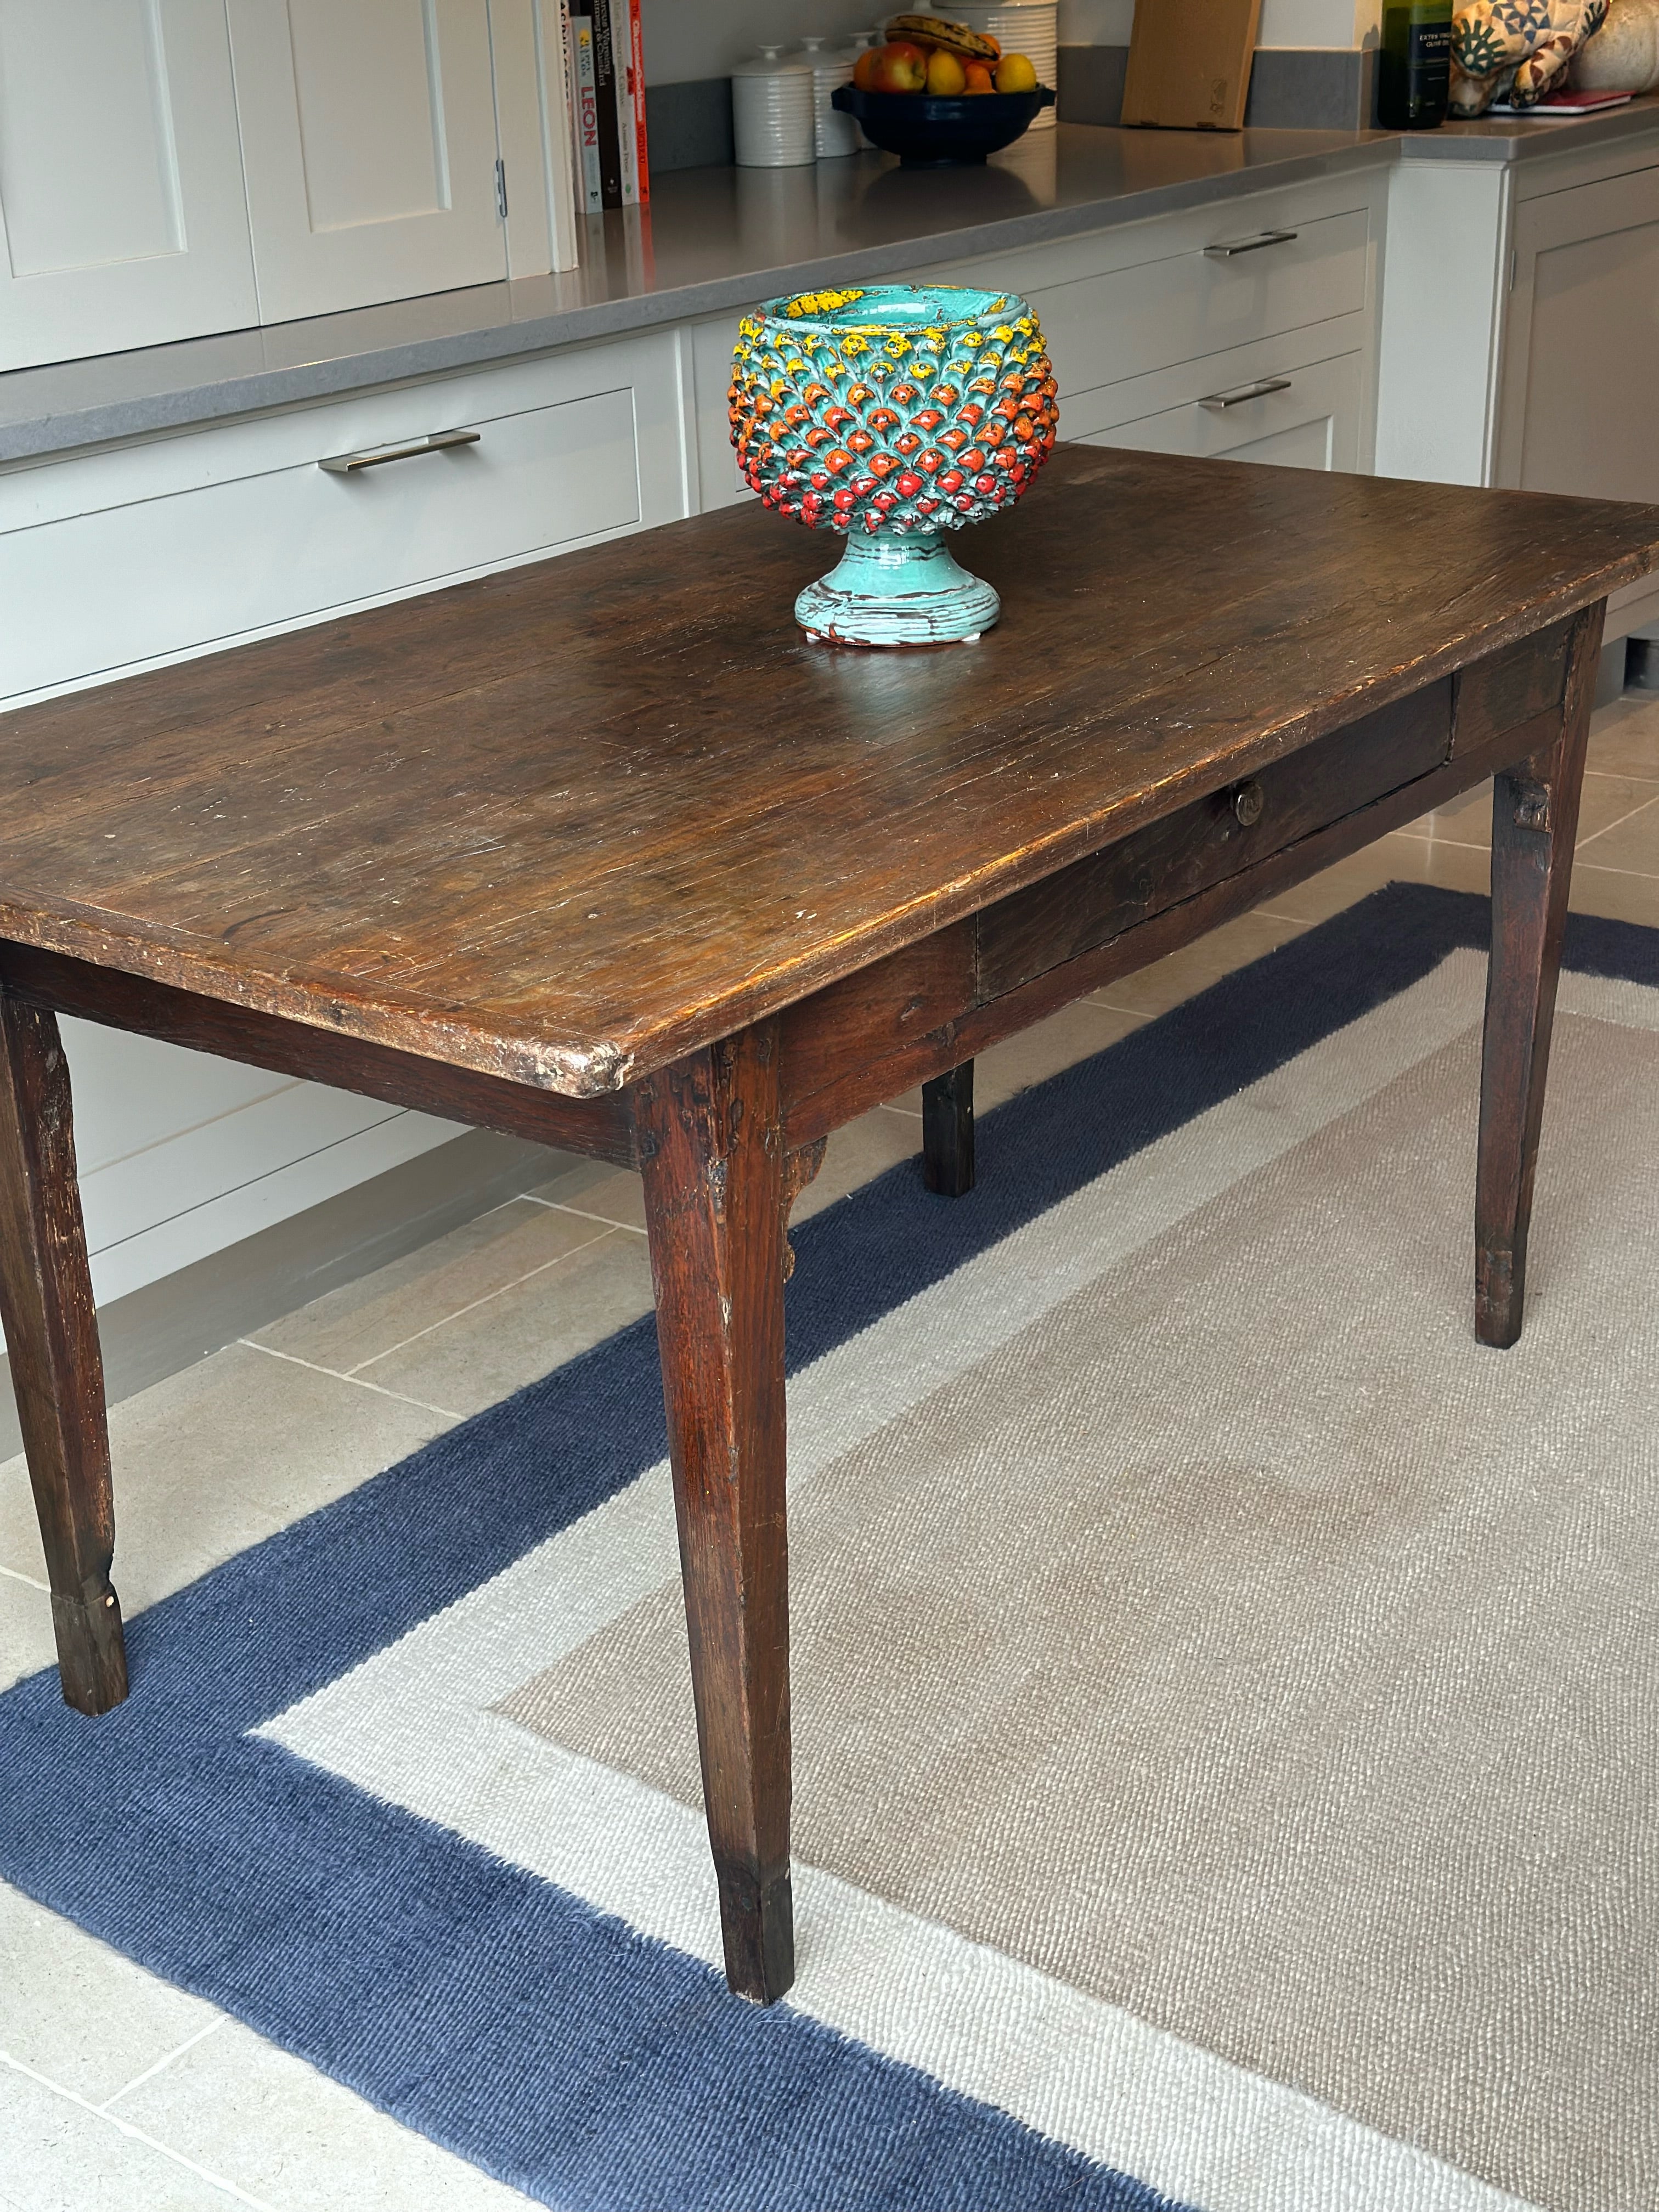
{"x":596,"y":1065}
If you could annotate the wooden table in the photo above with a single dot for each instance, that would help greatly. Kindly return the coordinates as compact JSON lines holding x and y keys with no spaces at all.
{"x":601,"y":853}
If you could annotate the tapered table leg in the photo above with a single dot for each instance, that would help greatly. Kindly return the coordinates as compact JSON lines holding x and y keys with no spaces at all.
{"x":1535,"y":823}
{"x":57,"y":1369}
{"x":947,"y":1132}
{"x":715,"y":1189}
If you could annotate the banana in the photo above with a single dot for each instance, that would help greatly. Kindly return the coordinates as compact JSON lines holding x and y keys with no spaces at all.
{"x":935,"y":31}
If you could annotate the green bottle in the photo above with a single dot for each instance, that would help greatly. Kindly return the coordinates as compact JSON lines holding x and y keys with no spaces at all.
{"x":1414,"y":67}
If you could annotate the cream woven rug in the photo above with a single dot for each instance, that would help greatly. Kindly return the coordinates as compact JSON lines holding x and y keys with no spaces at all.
{"x":1226,"y":1696}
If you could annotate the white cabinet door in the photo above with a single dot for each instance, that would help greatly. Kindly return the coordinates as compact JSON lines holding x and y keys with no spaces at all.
{"x":122,"y":218}
{"x":1578,"y":411}
{"x":368,"y":138}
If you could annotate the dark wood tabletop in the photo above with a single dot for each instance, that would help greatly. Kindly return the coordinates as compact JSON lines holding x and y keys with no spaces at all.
{"x":567,"y":823}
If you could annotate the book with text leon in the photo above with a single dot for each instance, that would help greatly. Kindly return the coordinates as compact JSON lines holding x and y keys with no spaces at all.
{"x":606,"y":75}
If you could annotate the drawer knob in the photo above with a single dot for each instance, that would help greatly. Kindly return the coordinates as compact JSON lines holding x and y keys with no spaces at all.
{"x":1250,"y":804}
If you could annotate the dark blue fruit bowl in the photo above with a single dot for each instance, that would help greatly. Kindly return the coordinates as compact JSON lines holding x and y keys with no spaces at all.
{"x":930,"y":132}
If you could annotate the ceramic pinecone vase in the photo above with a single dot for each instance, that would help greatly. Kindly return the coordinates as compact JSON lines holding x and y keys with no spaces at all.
{"x":893,"y":414}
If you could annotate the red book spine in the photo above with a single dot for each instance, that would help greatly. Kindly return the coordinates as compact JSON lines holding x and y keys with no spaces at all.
{"x":636,"y":40}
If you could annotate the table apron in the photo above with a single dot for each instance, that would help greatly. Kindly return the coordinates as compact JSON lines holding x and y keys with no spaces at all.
{"x":924,"y":1010}
{"x":601,"y":1128}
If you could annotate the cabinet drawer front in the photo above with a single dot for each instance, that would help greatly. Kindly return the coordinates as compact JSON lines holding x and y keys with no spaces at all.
{"x":1154,"y":315}
{"x":1300,"y":416}
{"x":1095,"y":900}
{"x":97,"y":591}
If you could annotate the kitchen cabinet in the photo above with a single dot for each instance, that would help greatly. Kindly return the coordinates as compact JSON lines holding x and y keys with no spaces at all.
{"x":1245,"y":331}
{"x":168,"y":168}
{"x":114,"y":561}
{"x":121,"y":196}
{"x":1576,"y":409}
{"x":368,"y":141}
{"x":1520,"y":325}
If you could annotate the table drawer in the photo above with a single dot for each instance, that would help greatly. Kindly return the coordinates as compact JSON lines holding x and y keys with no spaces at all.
{"x":1095,"y":900}
{"x":1156,"y":314}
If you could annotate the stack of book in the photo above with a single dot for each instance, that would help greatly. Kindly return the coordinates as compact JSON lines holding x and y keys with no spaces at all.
{"x":605,"y":71}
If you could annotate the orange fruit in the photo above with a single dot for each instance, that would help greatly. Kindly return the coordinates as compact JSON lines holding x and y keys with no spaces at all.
{"x":1016,"y":74}
{"x":864,"y":68}
{"x":979,"y":78}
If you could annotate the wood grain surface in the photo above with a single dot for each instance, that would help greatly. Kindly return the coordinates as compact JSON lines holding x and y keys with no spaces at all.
{"x":569,"y":824}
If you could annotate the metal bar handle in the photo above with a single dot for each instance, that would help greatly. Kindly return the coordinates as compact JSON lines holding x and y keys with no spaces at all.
{"x":1220,"y":401}
{"x":345,"y":465}
{"x":1224,"y":249}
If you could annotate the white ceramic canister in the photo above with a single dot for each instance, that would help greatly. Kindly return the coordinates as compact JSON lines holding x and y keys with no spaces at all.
{"x":833,"y":133}
{"x":772,"y":112}
{"x":1031,"y":28}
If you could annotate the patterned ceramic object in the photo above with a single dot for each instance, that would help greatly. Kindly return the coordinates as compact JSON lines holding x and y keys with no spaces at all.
{"x":893,"y":414}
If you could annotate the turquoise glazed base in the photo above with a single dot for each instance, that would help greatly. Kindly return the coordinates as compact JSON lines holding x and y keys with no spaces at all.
{"x":897,"y":590}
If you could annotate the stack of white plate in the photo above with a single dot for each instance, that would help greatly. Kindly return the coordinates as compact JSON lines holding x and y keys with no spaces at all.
{"x":772,"y":112}
{"x":834,"y":133}
{"x":1031,"y":28}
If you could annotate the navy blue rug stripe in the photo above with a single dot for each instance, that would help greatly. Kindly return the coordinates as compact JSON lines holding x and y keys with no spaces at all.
{"x":588,"y":2065}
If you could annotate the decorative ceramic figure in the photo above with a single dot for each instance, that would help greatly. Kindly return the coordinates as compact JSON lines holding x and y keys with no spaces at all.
{"x":893,"y":414}
{"x":1516,"y":50}
{"x":1623,"y":55}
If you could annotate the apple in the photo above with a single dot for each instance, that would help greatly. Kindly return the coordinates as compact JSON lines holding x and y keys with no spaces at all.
{"x":1016,"y":74}
{"x":898,"y":67}
{"x":947,"y":78}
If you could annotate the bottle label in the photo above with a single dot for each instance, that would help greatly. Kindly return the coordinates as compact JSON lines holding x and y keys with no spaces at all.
{"x":1428,"y":49}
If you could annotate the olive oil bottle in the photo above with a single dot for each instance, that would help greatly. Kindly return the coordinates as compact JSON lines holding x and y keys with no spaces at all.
{"x":1414,"y":66}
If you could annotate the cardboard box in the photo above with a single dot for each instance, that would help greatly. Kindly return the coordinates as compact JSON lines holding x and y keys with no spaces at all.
{"x":1189,"y":64}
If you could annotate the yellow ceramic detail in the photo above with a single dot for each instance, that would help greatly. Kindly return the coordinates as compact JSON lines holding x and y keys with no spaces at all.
{"x":822,"y":303}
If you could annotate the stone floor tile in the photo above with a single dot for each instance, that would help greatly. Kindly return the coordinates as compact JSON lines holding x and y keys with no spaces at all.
{"x":1466,"y":819}
{"x":297,"y":2141}
{"x":76,"y":2011}
{"x":26,"y":1637}
{"x":866,"y":1148}
{"x":1396,"y":859}
{"x":1621,"y":897}
{"x":220,"y":1456}
{"x":361,"y":1321}
{"x":613,"y":1194}
{"x":487,"y":1353}
{"x":1076,"y":1032}
{"x":1154,"y":990}
{"x":1629,"y":840}
{"x":57,"y":2156}
{"x":1625,"y":737}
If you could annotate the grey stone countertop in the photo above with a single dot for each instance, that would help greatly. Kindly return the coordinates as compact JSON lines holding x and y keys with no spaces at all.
{"x":714,"y":241}
{"x":1521,"y":139}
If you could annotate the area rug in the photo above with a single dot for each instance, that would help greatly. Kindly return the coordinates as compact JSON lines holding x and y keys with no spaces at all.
{"x":1227,"y":1700}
